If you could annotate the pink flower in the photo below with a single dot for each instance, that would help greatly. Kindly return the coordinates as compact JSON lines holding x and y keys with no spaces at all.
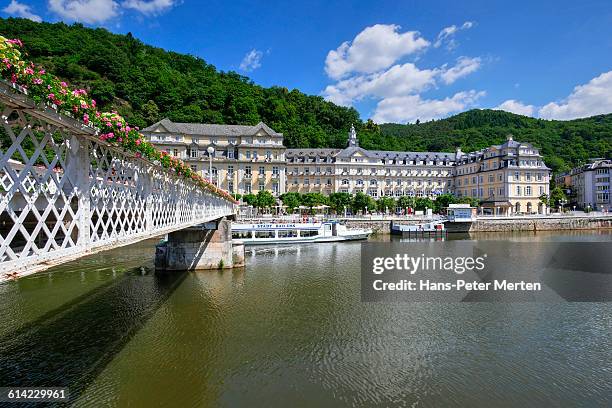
{"x":64,"y":84}
{"x":86,"y":118}
{"x":37,"y":81}
{"x":138,"y":142}
{"x":41,"y":72}
{"x":51,"y":96}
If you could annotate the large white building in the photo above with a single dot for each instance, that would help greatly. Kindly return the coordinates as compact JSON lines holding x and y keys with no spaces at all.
{"x":507,"y":178}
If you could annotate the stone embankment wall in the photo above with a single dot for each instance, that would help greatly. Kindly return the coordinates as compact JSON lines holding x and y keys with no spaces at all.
{"x":500,"y":224}
{"x":541,"y":224}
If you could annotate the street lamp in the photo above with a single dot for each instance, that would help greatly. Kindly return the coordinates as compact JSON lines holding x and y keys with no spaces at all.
{"x":210,"y":151}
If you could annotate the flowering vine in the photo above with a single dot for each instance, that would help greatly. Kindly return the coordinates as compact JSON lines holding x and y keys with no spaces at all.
{"x":46,"y":88}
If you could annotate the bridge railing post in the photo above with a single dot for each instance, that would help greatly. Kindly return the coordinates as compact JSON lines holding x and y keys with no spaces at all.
{"x":77,"y":170}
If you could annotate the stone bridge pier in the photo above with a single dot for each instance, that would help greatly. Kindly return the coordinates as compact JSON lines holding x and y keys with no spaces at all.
{"x":204,"y":246}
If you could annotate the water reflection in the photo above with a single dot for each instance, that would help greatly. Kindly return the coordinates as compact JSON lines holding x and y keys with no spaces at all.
{"x":290,"y":330}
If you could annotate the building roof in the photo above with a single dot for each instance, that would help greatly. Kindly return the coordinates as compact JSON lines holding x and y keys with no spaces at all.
{"x":209,"y":129}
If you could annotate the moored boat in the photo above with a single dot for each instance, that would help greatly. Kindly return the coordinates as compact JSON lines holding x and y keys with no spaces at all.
{"x":295,"y":233}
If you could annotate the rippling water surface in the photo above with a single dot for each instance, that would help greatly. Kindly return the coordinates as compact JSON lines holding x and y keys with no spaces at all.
{"x":290,"y":330}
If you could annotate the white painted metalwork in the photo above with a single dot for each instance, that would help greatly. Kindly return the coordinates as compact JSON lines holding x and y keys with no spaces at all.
{"x":65,"y":193}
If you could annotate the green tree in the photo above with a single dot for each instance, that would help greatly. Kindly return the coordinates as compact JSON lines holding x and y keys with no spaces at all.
{"x":556,"y":196}
{"x":386,"y":204}
{"x":250,"y":199}
{"x":291,"y":200}
{"x":405,"y":202}
{"x":442,"y":201}
{"x":265,"y":199}
{"x":313,"y":200}
{"x":423,"y":203}
{"x":360,"y":202}
{"x":339,"y":201}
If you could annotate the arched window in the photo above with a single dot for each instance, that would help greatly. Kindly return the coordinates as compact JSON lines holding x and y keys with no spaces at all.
{"x":517,"y":208}
{"x":373,"y":182}
{"x":345,"y":182}
{"x":529,"y":208}
{"x":360,"y":182}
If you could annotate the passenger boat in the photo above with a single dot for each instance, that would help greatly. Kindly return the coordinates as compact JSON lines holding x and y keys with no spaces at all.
{"x":296,"y":233}
{"x":433,"y":227}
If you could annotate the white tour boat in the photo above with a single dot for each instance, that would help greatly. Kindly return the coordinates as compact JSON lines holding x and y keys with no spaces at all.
{"x":296,"y":233}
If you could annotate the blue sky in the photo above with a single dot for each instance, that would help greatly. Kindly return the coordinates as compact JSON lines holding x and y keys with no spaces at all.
{"x":394,"y":61}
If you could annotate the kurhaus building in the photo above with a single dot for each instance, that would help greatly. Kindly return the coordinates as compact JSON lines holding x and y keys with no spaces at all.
{"x":507,"y":178}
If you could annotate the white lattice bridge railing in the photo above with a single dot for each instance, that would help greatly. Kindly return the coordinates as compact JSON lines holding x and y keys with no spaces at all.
{"x":65,"y":193}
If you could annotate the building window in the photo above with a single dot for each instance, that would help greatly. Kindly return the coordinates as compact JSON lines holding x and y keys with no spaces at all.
{"x":528,"y":191}
{"x":262,"y":170}
{"x":345,"y":182}
{"x":528,"y":176}
{"x":360,"y":182}
{"x":248,"y":154}
{"x":517,"y":176}
{"x":306,"y":182}
{"x":247,"y":188}
{"x":230,"y":186}
{"x":230,"y":170}
{"x":247,"y":171}
{"x":175,"y":152}
{"x":230,"y":154}
{"x":275,"y":170}
{"x":275,"y":189}
{"x":194,"y":153}
{"x":518,"y":190}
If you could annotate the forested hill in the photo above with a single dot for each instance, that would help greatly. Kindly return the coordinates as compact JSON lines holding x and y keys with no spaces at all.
{"x":146,"y":84}
{"x":563,"y":143}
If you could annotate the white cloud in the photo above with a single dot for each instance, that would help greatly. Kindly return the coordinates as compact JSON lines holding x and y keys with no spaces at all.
{"x":464,"y":66}
{"x":251,"y":61}
{"x":152,"y":7}
{"x":86,"y":11}
{"x":409,"y":108}
{"x":447,"y":34}
{"x":593,"y":98}
{"x":375,"y":48}
{"x":21,"y":10}
{"x":514,"y":106}
{"x":397,"y":80}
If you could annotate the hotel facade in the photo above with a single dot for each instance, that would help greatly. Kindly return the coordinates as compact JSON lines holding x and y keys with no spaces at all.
{"x":507,"y":178}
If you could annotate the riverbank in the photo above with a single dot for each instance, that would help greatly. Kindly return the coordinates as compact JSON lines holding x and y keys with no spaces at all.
{"x":500,"y":224}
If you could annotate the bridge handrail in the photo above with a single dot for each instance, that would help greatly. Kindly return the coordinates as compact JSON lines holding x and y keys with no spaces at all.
{"x":27,"y":79}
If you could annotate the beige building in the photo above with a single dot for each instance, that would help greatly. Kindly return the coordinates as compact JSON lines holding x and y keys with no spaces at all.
{"x":245,"y":159}
{"x":507,"y":178}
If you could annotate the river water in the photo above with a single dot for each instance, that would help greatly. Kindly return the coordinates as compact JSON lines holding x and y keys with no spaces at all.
{"x":290,"y":330}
